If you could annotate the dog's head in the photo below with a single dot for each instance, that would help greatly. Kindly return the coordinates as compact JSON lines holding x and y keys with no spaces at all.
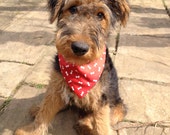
{"x":83,"y":26}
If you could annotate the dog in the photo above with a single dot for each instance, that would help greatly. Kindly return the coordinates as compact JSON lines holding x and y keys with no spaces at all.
{"x":83,"y":76}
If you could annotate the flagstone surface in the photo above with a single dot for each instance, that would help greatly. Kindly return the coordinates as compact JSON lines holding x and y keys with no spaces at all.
{"x":141,"y":56}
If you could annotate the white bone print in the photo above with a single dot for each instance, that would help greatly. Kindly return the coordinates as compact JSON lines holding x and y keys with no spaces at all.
{"x":81,"y":79}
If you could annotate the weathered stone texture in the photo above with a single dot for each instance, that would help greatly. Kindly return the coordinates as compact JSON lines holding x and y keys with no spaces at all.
{"x":146,"y":102}
{"x":42,"y":70}
{"x":11,"y":74}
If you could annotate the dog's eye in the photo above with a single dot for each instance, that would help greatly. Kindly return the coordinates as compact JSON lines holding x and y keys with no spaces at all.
{"x":100,"y":16}
{"x":73,"y":10}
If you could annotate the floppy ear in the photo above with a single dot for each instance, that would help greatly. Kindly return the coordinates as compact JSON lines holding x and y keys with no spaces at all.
{"x":120,"y":9}
{"x":55,"y":7}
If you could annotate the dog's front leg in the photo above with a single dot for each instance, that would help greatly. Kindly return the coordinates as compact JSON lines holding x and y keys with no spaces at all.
{"x":102,"y":124}
{"x":51,"y":104}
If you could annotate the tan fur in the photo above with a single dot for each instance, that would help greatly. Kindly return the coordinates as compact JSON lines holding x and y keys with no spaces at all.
{"x":34,"y":111}
{"x":117,"y":113}
{"x":97,"y":123}
{"x":125,"y":10}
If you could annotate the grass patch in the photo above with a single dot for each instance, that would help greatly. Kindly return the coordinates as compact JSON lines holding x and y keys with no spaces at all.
{"x":9,"y":99}
{"x":37,"y":86}
{"x":5,"y":104}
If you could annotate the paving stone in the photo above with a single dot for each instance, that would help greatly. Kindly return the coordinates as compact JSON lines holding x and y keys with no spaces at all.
{"x":149,"y":3}
{"x":147,"y":21}
{"x":146,"y":60}
{"x":23,"y":54}
{"x":137,"y":68}
{"x":155,"y":41}
{"x":12,"y":9}
{"x":41,"y":72}
{"x":142,"y":131}
{"x":167,"y":3}
{"x":146,"y":102}
{"x":26,"y":37}
{"x":11,"y":75}
{"x":129,"y":128}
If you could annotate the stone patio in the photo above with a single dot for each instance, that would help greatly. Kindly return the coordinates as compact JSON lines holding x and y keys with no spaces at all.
{"x":142,"y":61}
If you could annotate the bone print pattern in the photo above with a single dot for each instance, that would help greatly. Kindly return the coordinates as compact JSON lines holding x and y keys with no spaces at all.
{"x":82,"y":78}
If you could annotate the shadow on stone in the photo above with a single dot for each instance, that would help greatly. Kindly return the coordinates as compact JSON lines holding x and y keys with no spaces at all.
{"x":139,"y":9}
{"x":161,"y":40}
{"x":17,"y":115}
{"x":154,"y":22}
{"x":29,"y":38}
{"x":153,"y":19}
{"x":22,"y":8}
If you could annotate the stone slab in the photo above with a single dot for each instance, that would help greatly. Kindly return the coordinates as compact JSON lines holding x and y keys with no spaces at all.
{"x":138,"y":68}
{"x":11,"y":74}
{"x":41,"y":71}
{"x":12,"y":9}
{"x":147,"y":21}
{"x":145,"y":131}
{"x":146,"y":102}
{"x":19,"y":52}
{"x":144,"y":57}
{"x":149,"y":3}
{"x":167,"y":3}
{"x":152,"y":42}
{"x":136,"y":128}
{"x":127,"y":128}
{"x":26,"y":37}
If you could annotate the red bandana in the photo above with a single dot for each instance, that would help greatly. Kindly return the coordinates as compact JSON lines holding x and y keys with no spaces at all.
{"x":82,"y":78}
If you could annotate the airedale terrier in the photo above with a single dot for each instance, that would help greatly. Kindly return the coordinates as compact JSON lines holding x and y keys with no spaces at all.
{"x":83,"y":76}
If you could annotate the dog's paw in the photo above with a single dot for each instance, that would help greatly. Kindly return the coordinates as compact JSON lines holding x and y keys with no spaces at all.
{"x":83,"y":129}
{"x":32,"y":129}
{"x":21,"y":131}
{"x":26,"y":130}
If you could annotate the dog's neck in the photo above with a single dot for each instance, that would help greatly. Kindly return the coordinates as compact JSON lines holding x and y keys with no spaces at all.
{"x":81,"y":79}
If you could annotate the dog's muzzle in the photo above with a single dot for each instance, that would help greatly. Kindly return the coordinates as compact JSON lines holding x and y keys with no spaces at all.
{"x":79,"y":48}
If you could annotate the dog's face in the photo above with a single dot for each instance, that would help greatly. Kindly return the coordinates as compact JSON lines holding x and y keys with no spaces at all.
{"x":83,"y":26}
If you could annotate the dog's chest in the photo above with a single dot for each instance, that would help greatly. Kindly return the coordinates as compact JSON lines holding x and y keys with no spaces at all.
{"x":89,"y":102}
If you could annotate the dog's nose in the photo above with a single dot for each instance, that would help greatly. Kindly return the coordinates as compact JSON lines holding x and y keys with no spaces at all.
{"x":79,"y":48}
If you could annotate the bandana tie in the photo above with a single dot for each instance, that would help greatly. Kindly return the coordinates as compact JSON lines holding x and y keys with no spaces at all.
{"x":82,"y":78}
